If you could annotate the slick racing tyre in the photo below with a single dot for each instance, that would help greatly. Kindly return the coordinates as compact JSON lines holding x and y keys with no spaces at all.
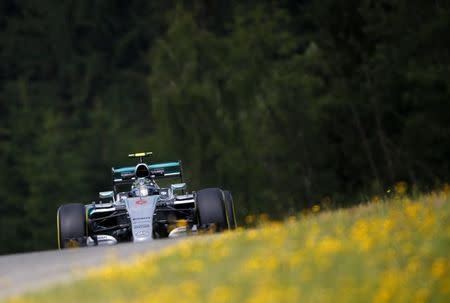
{"x":71,"y":225}
{"x":211,"y":209}
{"x":229,"y":207}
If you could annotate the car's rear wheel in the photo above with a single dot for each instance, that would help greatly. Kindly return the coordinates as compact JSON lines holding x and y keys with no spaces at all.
{"x":71,"y":225}
{"x":229,"y":207}
{"x":211,"y":209}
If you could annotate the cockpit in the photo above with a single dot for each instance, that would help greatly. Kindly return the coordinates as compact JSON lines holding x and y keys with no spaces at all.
{"x":143,"y":187}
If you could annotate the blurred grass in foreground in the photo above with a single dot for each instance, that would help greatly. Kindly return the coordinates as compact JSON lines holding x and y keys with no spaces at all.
{"x":386,"y":251}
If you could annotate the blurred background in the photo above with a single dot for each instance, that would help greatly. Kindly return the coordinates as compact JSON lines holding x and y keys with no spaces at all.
{"x":286,"y":103}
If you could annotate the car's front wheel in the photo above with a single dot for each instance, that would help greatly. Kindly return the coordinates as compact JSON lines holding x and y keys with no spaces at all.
{"x":71,"y":225}
{"x":211,"y":209}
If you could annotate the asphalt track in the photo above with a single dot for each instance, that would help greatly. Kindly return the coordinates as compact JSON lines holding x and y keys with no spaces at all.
{"x":25,"y":272}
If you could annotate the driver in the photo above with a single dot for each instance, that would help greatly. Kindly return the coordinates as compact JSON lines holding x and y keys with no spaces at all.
{"x":143,"y":187}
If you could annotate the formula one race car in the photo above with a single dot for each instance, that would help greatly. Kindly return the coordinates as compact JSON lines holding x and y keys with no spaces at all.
{"x":144,"y":211}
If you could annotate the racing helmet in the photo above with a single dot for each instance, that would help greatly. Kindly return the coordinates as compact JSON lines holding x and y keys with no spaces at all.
{"x":143,"y":187}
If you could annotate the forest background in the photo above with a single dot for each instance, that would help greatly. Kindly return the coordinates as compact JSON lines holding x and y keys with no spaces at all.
{"x":286,"y":103}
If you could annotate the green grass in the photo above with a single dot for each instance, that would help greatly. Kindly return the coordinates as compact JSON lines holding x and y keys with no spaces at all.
{"x":386,"y":251}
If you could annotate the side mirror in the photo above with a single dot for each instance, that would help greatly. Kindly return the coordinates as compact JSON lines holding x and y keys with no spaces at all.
{"x":178,"y":186}
{"x":106,"y":194}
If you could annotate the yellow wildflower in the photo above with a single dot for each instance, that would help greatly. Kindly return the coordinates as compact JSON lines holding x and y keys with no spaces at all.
{"x":252,"y":234}
{"x":329,"y":246}
{"x":413,"y":266}
{"x":439,"y":268}
{"x":359,"y":233}
{"x":251,"y":264}
{"x":222,"y":294}
{"x":250,"y":219}
{"x":189,"y":289}
{"x":401,"y":187}
{"x":421,"y":295}
{"x":412,"y":209}
{"x":195,"y":266}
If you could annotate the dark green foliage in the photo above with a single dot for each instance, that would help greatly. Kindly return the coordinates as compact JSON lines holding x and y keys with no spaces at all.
{"x":284,"y":103}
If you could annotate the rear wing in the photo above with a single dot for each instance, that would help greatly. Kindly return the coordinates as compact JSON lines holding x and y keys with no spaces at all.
{"x":125,"y":175}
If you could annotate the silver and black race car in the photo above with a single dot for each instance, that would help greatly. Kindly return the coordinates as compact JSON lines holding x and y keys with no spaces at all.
{"x":138,"y":209}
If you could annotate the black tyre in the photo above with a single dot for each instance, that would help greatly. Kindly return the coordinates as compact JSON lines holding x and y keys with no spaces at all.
{"x":229,"y":207}
{"x":211,"y":208}
{"x":71,"y":224}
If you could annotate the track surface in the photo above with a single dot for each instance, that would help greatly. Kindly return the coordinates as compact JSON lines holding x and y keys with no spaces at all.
{"x":21,"y":273}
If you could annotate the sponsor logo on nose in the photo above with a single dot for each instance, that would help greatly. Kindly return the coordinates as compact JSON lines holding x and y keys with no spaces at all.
{"x":141,"y":202}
